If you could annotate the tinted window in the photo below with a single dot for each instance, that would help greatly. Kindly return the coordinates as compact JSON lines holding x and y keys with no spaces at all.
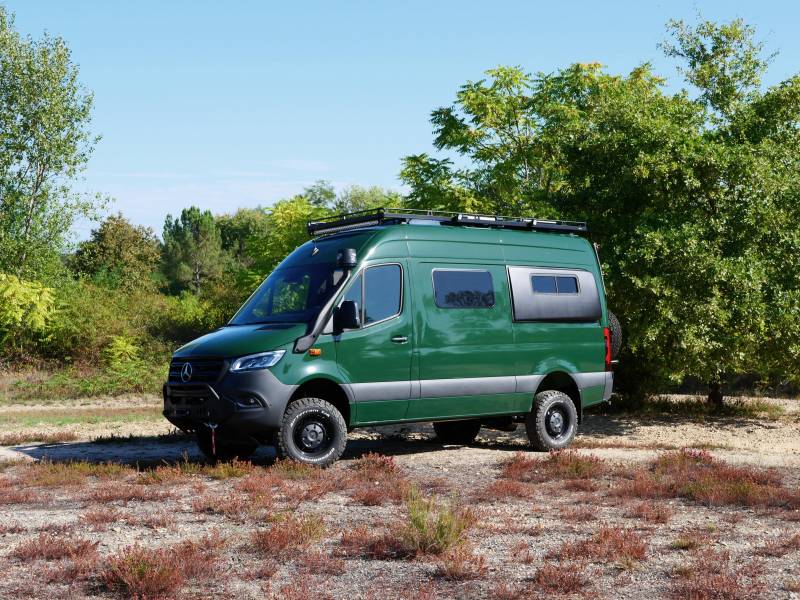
{"x":544,"y":284}
{"x":463,"y":289}
{"x":382,"y":287}
{"x":567,"y":285}
{"x":354,"y":293}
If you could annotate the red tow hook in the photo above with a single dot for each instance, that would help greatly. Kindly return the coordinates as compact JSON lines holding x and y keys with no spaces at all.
{"x":213,"y":428}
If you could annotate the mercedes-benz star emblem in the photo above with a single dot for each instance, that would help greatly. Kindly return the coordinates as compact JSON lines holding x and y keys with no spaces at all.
{"x":186,"y":372}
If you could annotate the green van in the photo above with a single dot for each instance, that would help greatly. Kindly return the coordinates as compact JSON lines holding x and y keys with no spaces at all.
{"x":393,"y":316}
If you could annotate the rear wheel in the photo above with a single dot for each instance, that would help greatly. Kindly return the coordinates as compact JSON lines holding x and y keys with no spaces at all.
{"x":313,"y":431}
{"x":223,"y":449}
{"x":457,"y":432}
{"x":553,"y":422}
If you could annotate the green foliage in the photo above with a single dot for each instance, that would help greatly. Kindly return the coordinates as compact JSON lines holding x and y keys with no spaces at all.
{"x":44,"y":144}
{"x":26,"y":308}
{"x":433,"y":527}
{"x":193,"y":253}
{"x":694,"y":201}
{"x":119,"y":254}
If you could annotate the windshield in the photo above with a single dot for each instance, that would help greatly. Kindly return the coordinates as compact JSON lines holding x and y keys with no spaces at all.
{"x":290,"y":295}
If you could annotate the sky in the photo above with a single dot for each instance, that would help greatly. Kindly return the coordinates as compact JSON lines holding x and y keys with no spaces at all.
{"x":241,"y":103}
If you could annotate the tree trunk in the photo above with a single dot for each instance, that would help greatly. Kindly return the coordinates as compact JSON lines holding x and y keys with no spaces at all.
{"x":715,"y":393}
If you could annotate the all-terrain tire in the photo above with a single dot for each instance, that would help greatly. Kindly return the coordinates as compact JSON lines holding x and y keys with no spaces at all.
{"x":616,"y":334}
{"x":313,"y":432}
{"x":461,"y":432}
{"x":226,"y":450}
{"x":553,"y":421}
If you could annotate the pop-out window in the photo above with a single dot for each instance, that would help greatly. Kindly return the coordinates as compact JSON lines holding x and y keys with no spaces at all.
{"x":463,"y":288}
{"x":554,"y":284}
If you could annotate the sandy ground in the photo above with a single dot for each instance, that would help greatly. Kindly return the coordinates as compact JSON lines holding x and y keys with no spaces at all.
{"x":514,"y":538}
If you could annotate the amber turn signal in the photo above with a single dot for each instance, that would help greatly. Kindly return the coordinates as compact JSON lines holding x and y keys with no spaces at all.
{"x":314,"y":352}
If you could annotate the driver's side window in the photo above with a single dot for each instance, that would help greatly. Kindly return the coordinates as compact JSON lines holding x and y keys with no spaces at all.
{"x":378,"y":293}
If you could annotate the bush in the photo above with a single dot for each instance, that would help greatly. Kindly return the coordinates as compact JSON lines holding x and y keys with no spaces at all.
{"x":26,"y":308}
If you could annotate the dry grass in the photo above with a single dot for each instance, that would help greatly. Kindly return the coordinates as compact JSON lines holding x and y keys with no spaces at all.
{"x":318,"y":562}
{"x":287,"y":537}
{"x":432,"y":526}
{"x":236,"y":507}
{"x":364,"y":542}
{"x":70,"y":473}
{"x":17,"y":438}
{"x":608,"y":543}
{"x":374,"y":480}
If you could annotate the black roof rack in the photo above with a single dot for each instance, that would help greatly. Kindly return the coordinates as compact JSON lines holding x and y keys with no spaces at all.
{"x":388,"y":216}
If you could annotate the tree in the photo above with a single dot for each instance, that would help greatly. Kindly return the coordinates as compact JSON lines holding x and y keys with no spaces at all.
{"x":192,"y":251}
{"x":238,"y":232}
{"x":321,"y":193}
{"x":44,"y":144}
{"x":356,"y":197}
{"x":694,"y":200}
{"x":119,"y":253}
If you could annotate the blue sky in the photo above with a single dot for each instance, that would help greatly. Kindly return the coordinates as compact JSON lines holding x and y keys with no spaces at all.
{"x":228,"y":104}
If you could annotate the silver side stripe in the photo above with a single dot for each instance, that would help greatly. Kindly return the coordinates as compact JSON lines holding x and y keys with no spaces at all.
{"x":470,"y":386}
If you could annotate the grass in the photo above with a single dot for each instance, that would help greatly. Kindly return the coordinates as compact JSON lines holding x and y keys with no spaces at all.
{"x":461,"y":564}
{"x":433,"y":527}
{"x":69,"y":473}
{"x":79,"y":416}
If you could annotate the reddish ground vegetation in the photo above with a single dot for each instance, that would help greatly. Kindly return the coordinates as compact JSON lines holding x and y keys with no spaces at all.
{"x":559,"y":465}
{"x":126,"y":492}
{"x":461,"y":564}
{"x":608,"y":542}
{"x":560,"y":579}
{"x":99,"y":517}
{"x":578,"y":514}
{"x":362,"y":542}
{"x":697,"y":476}
{"x":710,"y":576}
{"x":18,"y":438}
{"x":503,"y":489}
{"x":320,"y":562}
{"x":651,"y":512}
{"x":51,"y":547}
{"x":780,"y":546}
{"x":374,"y":480}
{"x":287,"y":537}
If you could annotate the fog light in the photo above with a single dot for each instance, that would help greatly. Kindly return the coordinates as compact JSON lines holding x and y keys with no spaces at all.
{"x":249,"y":402}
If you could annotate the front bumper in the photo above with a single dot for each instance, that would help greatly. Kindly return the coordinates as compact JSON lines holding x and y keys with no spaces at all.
{"x":241,"y":404}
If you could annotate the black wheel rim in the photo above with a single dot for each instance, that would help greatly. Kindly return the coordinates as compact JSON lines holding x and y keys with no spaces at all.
{"x":313,"y":435}
{"x":556,"y":422}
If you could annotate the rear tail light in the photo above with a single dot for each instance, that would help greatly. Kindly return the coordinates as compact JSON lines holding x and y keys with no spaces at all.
{"x":607,"y":338}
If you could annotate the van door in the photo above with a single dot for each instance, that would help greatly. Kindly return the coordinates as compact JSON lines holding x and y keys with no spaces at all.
{"x":465,"y":341}
{"x":376,"y":359}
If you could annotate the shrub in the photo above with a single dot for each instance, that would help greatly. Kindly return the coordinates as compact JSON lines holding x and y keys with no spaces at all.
{"x":608,"y":542}
{"x":560,"y":464}
{"x":288,"y":536}
{"x":461,"y":564}
{"x":139,"y":572}
{"x":26,"y":308}
{"x":433,"y":527}
{"x":560,"y":579}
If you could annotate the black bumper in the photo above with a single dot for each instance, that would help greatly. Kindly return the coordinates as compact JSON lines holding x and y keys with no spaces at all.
{"x":246,"y":404}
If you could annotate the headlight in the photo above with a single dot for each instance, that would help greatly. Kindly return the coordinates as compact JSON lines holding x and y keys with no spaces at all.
{"x":254,"y":362}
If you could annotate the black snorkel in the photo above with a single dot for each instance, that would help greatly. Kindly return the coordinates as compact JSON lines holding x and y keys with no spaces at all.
{"x":346,"y":259}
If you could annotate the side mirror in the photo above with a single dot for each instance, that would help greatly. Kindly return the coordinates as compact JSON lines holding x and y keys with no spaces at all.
{"x":346,"y":258}
{"x":347,"y":316}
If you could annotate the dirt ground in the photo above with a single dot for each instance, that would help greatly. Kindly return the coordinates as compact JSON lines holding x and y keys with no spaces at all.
{"x":521,"y":542}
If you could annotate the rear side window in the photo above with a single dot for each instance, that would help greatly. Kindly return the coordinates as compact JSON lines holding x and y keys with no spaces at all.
{"x":555,"y":295}
{"x":463,"y":289}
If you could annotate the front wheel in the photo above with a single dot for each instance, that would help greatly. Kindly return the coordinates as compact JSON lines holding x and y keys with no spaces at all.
{"x":313,"y":431}
{"x":553,"y":422}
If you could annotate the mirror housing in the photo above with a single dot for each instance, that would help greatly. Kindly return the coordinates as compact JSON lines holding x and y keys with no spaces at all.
{"x":346,"y":258}
{"x":347,"y":316}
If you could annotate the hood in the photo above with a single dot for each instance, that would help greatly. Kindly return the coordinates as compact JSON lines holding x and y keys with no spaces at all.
{"x":239,"y":340}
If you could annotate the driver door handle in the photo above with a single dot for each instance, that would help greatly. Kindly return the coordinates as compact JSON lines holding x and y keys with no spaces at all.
{"x":400,"y":339}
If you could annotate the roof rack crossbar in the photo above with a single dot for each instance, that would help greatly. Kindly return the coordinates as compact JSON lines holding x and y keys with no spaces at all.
{"x":382,"y":216}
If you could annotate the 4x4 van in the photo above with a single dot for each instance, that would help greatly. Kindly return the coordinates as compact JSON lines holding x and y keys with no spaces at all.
{"x":400,"y":316}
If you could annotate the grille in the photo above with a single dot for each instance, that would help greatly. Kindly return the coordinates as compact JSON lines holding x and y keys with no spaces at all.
{"x":203,"y":370}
